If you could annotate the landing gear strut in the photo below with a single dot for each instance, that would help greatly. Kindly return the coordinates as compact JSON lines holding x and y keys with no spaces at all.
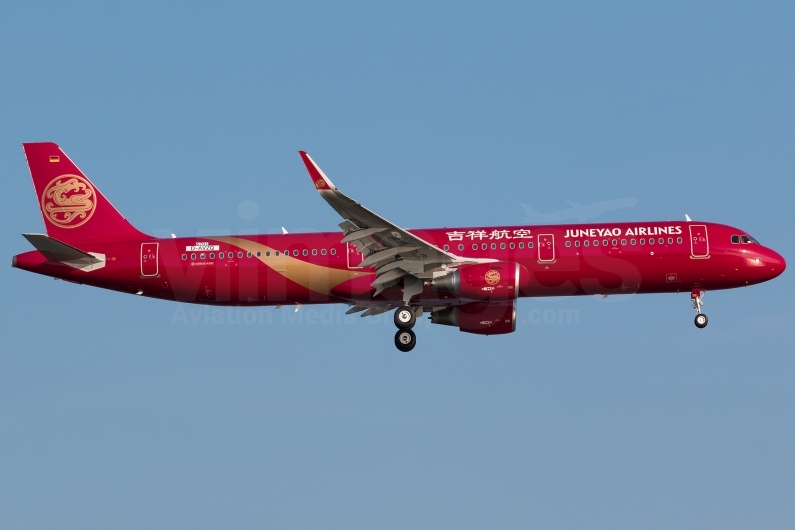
{"x":701,"y":319}
{"x":405,"y":318}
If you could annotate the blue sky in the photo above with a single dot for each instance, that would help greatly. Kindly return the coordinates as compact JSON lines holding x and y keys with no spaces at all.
{"x":123,"y":412}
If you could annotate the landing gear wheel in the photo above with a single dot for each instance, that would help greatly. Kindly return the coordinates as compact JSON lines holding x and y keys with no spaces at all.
{"x":405,"y":340}
{"x":701,"y":321}
{"x":405,"y":318}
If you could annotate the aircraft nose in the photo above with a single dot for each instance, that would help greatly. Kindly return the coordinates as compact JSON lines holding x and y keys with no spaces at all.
{"x":774,"y":262}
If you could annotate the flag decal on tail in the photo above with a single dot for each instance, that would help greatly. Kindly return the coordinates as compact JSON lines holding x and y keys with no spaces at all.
{"x":55,"y":159}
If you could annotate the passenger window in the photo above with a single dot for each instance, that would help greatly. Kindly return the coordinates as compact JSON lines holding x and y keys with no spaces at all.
{"x":305,"y":252}
{"x":521,"y":245}
{"x":193,"y":256}
{"x":184,"y":256}
{"x":493,"y":246}
{"x":651,"y":241}
{"x":596,"y":242}
{"x":460,"y":247}
{"x":623,"y":242}
{"x":239,"y":254}
{"x":632,"y":241}
{"x":670,"y":241}
{"x":212,"y":255}
{"x":642,"y":241}
{"x":568,"y":243}
{"x":512,"y":245}
{"x":248,"y":254}
{"x":333,"y":251}
{"x":586,"y":243}
{"x":679,"y":240}
{"x":529,"y":244}
{"x":484,"y":246}
{"x":314,"y":252}
{"x":276,"y":252}
{"x":502,"y":245}
{"x":474,"y":246}
{"x":615,"y":243}
{"x":295,"y":252}
{"x":577,"y":243}
{"x":604,"y":242}
{"x":202,"y":255}
{"x":267,"y":253}
{"x":735,"y":239}
{"x":661,"y":241}
{"x":323,"y":251}
{"x":259,"y":254}
{"x":446,"y":247}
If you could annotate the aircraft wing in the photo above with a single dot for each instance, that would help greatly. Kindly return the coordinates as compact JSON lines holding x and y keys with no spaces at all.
{"x":392,"y":250}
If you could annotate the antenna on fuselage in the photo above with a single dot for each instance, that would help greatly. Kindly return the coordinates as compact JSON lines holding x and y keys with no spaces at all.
{"x":284,"y":230}
{"x":687,"y":218}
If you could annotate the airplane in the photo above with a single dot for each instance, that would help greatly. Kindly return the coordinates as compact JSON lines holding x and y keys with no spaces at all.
{"x":577,"y":211}
{"x":466,"y":277}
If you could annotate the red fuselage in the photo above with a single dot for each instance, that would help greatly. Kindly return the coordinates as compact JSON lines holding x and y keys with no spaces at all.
{"x":315,"y":268}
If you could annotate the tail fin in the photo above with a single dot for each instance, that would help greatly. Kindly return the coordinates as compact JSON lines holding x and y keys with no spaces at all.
{"x":74,"y":210}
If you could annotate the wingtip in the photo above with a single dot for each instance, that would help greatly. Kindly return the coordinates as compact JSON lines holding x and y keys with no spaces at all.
{"x":319,"y":179}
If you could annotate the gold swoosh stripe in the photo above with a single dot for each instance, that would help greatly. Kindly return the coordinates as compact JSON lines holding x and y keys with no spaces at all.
{"x":309,"y":275}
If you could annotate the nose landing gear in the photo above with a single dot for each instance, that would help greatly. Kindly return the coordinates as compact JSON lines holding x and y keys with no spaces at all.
{"x":405,"y":339}
{"x":696,"y":296}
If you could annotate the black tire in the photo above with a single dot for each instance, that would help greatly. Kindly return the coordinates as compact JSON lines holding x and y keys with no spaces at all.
{"x":405,"y":340}
{"x":405,"y":318}
{"x":701,"y":321}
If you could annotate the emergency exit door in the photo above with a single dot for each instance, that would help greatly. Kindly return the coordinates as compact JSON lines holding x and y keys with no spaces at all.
{"x":149,"y":266}
{"x":699,"y":242}
{"x":546,"y":248}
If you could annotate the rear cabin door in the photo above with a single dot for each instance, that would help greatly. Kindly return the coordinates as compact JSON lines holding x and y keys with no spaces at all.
{"x":354,"y":257}
{"x":149,"y":266}
{"x":699,"y":242}
{"x":546,"y":248}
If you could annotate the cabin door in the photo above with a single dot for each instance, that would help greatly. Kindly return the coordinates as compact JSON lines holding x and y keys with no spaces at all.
{"x":546,"y":248}
{"x":149,"y":266}
{"x":699,"y":242}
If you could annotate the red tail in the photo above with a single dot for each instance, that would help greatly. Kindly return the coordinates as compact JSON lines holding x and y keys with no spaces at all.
{"x":74,"y":210}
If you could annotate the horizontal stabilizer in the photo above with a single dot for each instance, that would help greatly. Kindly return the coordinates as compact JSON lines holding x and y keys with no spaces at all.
{"x":54,"y":250}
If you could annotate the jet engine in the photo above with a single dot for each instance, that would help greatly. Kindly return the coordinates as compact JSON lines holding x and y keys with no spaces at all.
{"x":500,"y":280}
{"x":480,"y":318}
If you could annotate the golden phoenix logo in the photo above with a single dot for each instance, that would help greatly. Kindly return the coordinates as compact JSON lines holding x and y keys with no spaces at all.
{"x":68,"y":201}
{"x":492,"y":277}
{"x":320,"y":184}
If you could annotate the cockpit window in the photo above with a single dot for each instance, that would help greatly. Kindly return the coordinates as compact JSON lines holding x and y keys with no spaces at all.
{"x":735,"y":239}
{"x":748,"y":239}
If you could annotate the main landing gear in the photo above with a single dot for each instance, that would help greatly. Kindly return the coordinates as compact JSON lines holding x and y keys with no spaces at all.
{"x":701,"y":319}
{"x":405,"y":339}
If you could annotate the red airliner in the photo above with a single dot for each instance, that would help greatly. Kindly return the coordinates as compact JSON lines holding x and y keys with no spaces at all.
{"x":469,"y":278}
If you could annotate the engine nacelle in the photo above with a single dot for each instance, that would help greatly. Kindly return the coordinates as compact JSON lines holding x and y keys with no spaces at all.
{"x":500,"y":280}
{"x":481,"y":318}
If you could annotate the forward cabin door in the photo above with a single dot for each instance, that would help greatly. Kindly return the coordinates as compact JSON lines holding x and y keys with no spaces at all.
{"x":699,"y":242}
{"x":149,"y":266}
{"x":546,"y":248}
{"x":354,"y":257}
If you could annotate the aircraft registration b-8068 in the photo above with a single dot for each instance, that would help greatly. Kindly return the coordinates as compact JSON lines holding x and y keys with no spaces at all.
{"x":469,"y":278}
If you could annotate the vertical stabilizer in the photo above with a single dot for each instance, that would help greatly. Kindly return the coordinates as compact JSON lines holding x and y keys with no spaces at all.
{"x":74,"y":210}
